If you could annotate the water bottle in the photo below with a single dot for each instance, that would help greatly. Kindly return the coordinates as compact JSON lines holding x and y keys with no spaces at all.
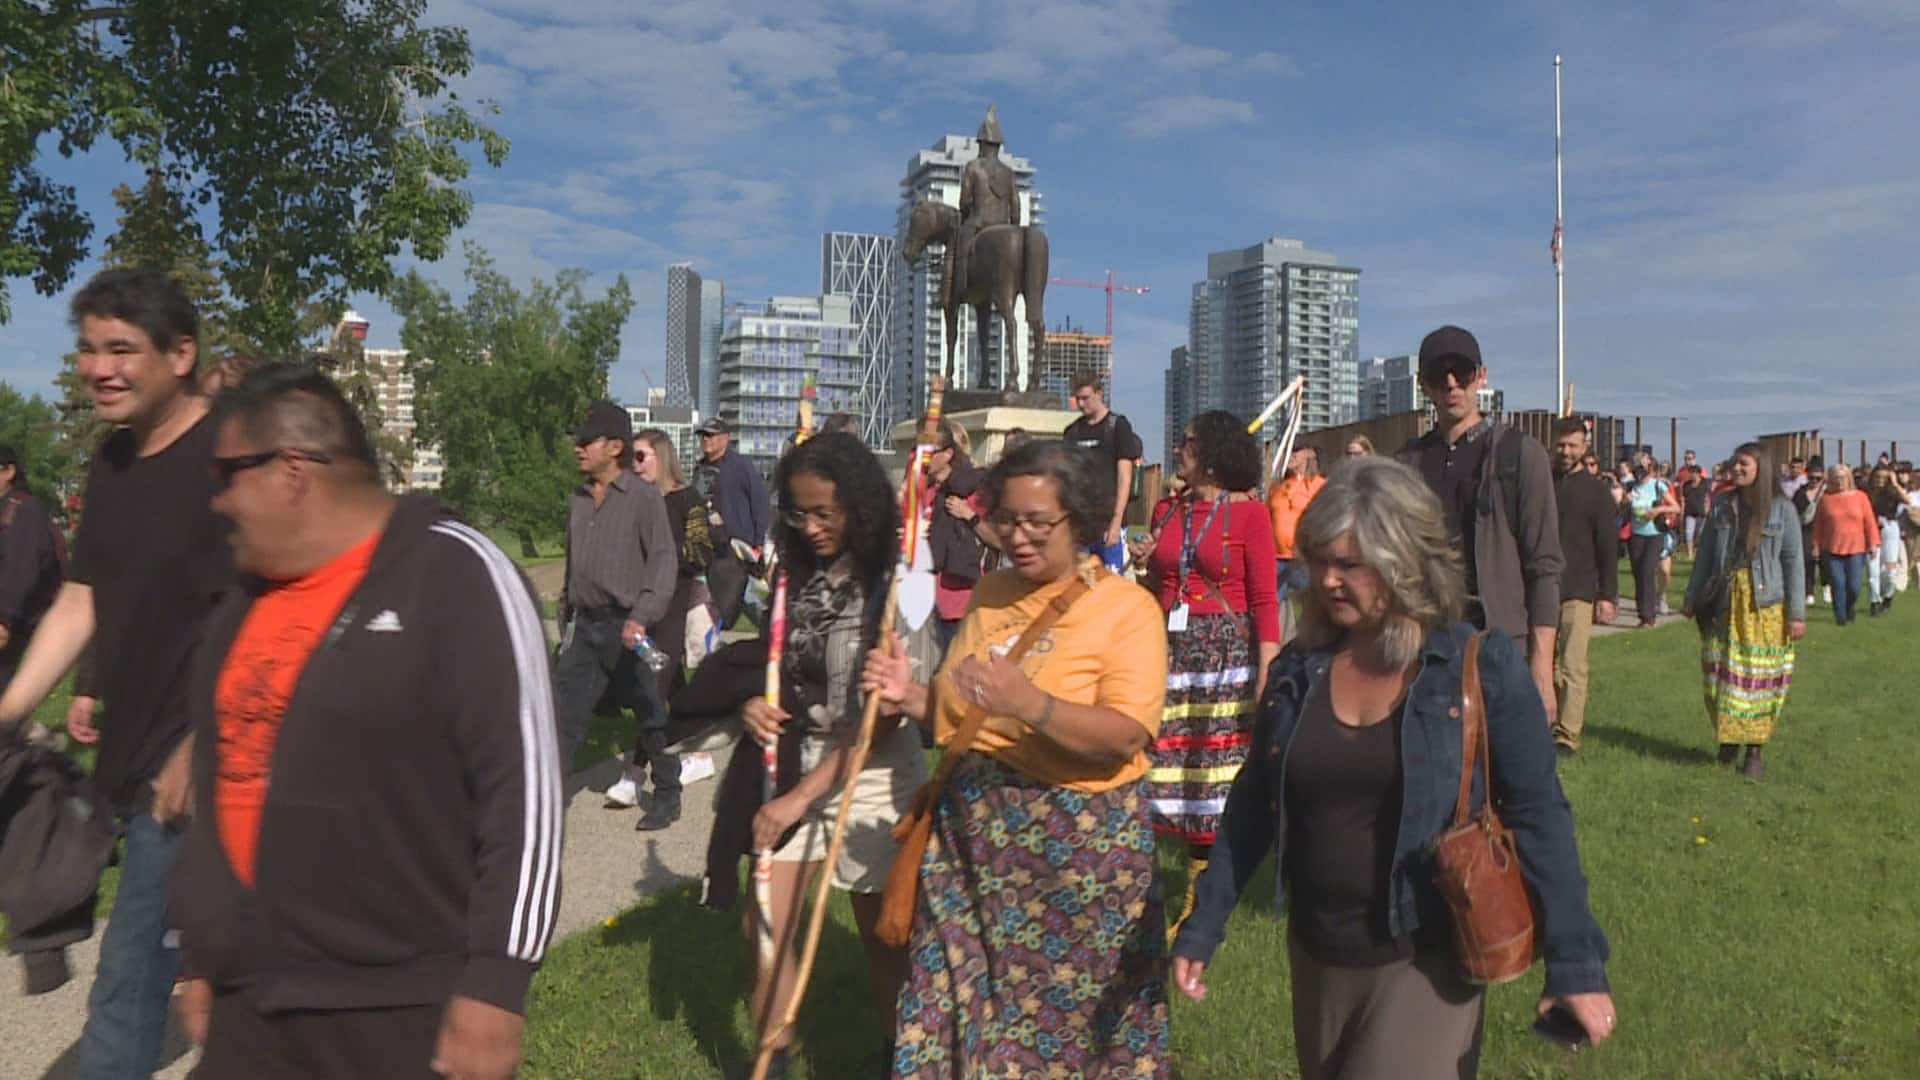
{"x":650,"y":654}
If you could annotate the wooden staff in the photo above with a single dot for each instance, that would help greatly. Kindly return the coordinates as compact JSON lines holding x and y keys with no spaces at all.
{"x":1266,"y":414}
{"x":770,"y":763}
{"x":770,"y":753}
{"x":863,"y":744}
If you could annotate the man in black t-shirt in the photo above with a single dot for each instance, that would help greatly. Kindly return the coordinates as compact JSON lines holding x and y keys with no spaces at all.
{"x":148,"y":561}
{"x":1110,"y":438}
{"x":1695,"y":498}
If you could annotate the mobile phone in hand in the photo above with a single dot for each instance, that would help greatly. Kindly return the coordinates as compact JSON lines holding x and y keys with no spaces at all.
{"x":1560,"y":1027}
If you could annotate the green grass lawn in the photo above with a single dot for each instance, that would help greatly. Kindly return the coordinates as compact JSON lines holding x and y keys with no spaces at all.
{"x":1764,"y":930}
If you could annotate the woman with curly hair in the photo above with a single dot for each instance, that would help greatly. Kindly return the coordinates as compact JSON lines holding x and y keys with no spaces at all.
{"x":1038,"y":943}
{"x":836,"y":535}
{"x":1209,"y":567}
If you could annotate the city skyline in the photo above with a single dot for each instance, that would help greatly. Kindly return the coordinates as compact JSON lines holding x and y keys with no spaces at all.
{"x":732,"y":135}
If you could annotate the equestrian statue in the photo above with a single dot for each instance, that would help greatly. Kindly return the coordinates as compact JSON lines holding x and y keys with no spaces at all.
{"x":992,"y":260}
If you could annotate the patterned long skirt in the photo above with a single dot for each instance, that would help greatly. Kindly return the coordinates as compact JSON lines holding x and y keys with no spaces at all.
{"x":1039,"y":947}
{"x":1205,"y":728}
{"x":1747,"y":665}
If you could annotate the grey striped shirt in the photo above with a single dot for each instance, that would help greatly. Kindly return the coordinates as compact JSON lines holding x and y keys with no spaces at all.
{"x":621,"y":554}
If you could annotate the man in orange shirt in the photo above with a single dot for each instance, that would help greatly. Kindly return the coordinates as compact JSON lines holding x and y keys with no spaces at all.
{"x":1286,"y":501}
{"x":372,"y":873}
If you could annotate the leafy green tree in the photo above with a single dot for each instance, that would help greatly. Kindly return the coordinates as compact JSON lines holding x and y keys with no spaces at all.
{"x":319,"y":135}
{"x":30,"y":425}
{"x":501,"y":380}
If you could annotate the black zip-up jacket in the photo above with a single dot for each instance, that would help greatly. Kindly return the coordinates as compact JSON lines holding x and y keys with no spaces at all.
{"x":409,"y":847}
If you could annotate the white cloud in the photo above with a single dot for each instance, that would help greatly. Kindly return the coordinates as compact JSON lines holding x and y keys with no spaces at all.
{"x":1189,"y":112}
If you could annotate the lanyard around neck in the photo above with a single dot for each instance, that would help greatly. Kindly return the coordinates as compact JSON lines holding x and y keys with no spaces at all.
{"x":1190,"y":541}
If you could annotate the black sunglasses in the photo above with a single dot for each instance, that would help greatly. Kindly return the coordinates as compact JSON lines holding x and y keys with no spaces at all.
{"x":224,"y":469}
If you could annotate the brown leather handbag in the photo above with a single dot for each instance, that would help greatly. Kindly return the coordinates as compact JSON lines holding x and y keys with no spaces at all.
{"x":902,"y":892}
{"x":1476,"y":865}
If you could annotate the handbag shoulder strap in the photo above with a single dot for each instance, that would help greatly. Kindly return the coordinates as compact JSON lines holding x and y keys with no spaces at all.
{"x":1473,"y":729}
{"x":976,"y":717}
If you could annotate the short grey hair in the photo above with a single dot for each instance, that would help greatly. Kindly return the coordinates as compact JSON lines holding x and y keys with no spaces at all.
{"x":1401,"y":533}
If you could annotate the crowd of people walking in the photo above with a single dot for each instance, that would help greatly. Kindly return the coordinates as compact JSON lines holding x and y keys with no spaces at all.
{"x":1269,"y":669}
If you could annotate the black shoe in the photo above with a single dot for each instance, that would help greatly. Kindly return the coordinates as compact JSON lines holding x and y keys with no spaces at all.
{"x":46,"y":970}
{"x":1729,"y":753}
{"x":1874,"y":609}
{"x":1563,"y":751}
{"x":662,"y":812}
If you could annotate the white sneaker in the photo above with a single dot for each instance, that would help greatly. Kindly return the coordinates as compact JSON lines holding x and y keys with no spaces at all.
{"x":623,"y":794}
{"x":696,"y":767}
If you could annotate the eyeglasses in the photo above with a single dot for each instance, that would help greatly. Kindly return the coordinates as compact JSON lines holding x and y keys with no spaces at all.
{"x":799,"y":517}
{"x":1036,"y":528}
{"x":224,"y":469}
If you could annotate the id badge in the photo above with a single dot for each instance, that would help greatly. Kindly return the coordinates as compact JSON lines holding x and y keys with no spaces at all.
{"x":1177,"y":619}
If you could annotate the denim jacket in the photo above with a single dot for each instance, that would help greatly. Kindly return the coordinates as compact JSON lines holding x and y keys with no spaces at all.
{"x":1779,"y":566}
{"x":1526,"y":791}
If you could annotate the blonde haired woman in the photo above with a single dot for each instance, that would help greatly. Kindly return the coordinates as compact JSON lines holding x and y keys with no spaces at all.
{"x":1360,"y":446}
{"x":1353,"y":773}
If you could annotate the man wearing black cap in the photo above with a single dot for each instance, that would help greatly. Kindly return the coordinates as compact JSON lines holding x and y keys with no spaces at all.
{"x":1496,"y":487}
{"x":731,"y":485}
{"x":30,"y":562}
{"x":621,"y":565}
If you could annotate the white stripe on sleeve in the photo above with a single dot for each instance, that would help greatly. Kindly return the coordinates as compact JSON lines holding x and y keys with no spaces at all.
{"x":534,"y":897}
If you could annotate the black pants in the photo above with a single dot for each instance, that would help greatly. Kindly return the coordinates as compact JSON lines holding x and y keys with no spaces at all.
{"x":244,"y":1044}
{"x":593,"y":660}
{"x":1644,"y":551}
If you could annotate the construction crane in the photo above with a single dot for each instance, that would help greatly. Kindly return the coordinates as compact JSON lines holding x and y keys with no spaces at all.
{"x":1109,"y":288}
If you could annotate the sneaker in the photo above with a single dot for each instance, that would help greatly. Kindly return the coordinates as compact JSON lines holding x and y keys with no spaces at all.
{"x":1563,"y":751}
{"x":623,"y":795}
{"x":1664,"y":610}
{"x":696,"y":767}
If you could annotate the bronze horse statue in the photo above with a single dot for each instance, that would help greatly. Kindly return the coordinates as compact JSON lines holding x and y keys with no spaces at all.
{"x":1008,"y":262}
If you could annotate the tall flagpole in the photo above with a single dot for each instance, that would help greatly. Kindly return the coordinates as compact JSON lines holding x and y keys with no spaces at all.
{"x":1559,"y":262}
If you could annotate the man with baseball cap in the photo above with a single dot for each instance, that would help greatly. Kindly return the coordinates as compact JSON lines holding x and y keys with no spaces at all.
{"x":622,"y":562}
{"x":731,"y":485}
{"x":1496,"y":487}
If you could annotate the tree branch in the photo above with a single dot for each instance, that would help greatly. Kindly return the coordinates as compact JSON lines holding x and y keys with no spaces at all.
{"x":100,"y":14}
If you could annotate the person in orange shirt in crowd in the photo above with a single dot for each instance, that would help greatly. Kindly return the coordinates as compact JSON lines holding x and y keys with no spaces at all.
{"x":1846,"y":534}
{"x":1068,"y":925}
{"x":1286,"y":501}
{"x":373,"y":869}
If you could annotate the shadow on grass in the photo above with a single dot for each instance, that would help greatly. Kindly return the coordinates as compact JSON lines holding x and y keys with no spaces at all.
{"x":1650,"y":746}
{"x":699,"y":973}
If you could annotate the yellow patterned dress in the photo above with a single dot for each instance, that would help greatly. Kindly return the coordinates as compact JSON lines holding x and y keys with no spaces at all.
{"x":1747,"y":664}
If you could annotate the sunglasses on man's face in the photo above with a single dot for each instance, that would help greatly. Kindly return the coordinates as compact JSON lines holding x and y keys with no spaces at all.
{"x":224,"y":469}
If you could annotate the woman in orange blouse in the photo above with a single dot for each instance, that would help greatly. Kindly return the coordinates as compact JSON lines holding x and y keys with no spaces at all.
{"x":1039,"y":946}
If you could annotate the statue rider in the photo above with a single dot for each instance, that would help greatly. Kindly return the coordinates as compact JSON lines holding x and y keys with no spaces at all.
{"x":988,"y":197}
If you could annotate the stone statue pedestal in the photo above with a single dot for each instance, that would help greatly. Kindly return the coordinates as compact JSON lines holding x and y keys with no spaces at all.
{"x":987,"y":428}
{"x":960,"y":401}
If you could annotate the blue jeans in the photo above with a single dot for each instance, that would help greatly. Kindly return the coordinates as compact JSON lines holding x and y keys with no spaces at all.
{"x":1291,"y":577}
{"x":127,"y":1010}
{"x":1845,"y":572}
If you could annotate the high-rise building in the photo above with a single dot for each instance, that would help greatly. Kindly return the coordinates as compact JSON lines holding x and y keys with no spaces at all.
{"x":1178,"y":401}
{"x":1066,"y":354}
{"x":1267,"y":314}
{"x":393,"y":383}
{"x":859,"y":266}
{"x":683,"y":334}
{"x":1390,"y":386}
{"x":919,"y":330}
{"x":713,"y":326}
{"x":769,"y":350}
{"x":676,"y":421}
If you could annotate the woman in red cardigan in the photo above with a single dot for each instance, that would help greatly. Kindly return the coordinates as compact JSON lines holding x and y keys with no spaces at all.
{"x":1212,"y":568}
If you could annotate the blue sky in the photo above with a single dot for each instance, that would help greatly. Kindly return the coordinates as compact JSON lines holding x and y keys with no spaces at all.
{"x":1742,"y":179}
